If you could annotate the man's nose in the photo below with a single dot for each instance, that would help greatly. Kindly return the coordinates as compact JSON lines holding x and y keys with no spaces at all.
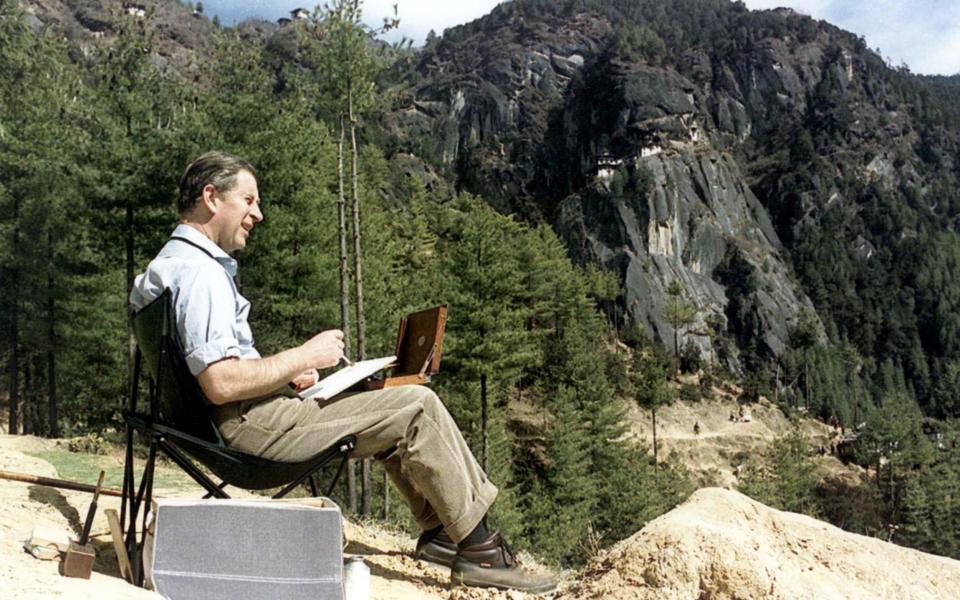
{"x":256,"y":214}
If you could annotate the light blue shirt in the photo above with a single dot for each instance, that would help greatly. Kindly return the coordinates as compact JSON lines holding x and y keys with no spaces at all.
{"x":210,"y":312}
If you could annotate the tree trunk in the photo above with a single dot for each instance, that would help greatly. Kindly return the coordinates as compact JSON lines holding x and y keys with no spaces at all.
{"x":357,"y":251}
{"x":27,"y":396}
{"x":345,"y":299}
{"x":131,"y":341}
{"x":776,"y":386}
{"x":676,"y":344}
{"x":14,"y":366}
{"x":365,"y":483}
{"x":653,"y":416}
{"x":53,"y":428}
{"x":484,"y":425}
{"x":342,"y":237}
{"x":352,"y":485}
{"x":15,"y":326}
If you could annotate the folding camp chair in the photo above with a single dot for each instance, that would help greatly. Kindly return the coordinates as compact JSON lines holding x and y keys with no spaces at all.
{"x":179,"y":423}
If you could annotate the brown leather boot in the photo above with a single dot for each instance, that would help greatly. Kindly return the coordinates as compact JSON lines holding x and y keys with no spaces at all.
{"x":491,"y":564}
{"x":438,"y":548}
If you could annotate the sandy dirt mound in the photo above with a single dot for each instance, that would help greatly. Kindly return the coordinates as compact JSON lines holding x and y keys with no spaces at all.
{"x":23,"y":506}
{"x":395,"y":574}
{"x":722,"y":545}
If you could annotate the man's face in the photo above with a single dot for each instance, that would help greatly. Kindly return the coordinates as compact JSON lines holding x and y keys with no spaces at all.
{"x":238,"y":210}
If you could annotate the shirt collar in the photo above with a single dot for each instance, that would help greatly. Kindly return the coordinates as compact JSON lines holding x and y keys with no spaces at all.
{"x":226,"y":261}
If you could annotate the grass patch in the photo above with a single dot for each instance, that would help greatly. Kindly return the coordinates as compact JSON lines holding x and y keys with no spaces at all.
{"x":85,"y":468}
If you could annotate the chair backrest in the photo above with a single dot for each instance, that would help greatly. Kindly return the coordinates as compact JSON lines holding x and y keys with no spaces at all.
{"x":177,"y":401}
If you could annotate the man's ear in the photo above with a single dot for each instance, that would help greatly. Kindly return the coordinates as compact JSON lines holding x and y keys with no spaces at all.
{"x":208,"y":197}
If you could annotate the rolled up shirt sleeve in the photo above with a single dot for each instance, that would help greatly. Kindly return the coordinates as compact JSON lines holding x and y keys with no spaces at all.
{"x":206,"y":317}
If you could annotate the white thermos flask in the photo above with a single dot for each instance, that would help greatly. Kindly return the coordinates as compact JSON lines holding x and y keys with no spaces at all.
{"x":356,"y":579}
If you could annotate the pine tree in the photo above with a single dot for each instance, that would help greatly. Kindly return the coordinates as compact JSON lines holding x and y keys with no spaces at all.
{"x":786,"y":478}
{"x":487,"y":341}
{"x":648,"y":378}
{"x":341,"y":46}
{"x":680,"y":313}
{"x":803,"y":338}
{"x":561,"y":502}
{"x":39,"y":137}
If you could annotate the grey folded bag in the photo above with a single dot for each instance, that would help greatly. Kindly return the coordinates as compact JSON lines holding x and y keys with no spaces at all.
{"x":245,"y":549}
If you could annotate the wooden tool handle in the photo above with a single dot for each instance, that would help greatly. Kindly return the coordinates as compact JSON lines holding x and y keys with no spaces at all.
{"x":57,"y":483}
{"x":91,"y":512}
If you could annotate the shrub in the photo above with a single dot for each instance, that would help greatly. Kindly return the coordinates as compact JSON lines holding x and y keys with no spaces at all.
{"x":690,"y":393}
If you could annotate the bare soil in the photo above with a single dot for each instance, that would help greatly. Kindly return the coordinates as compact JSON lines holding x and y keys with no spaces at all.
{"x":395,"y":574}
{"x":713,"y":437}
{"x":722,"y":545}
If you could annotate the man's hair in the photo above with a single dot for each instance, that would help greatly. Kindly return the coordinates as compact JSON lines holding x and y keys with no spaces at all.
{"x":213,"y":168}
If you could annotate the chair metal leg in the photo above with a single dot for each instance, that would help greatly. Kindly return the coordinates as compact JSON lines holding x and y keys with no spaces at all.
{"x":184,"y":463}
{"x":340,"y":469}
{"x":209,"y":495}
{"x":127,"y":478}
{"x":138,"y":497}
{"x":313,"y":485}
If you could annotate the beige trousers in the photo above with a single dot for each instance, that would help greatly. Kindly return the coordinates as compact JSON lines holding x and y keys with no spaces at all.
{"x":408,"y":428}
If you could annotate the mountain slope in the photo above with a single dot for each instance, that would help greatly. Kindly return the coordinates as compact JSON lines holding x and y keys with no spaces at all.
{"x":770,"y":163}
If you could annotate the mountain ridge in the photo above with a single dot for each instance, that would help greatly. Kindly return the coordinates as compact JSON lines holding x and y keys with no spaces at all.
{"x":564,"y":114}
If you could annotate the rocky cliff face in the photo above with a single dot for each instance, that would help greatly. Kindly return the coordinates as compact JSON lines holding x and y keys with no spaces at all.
{"x":692,"y":141}
{"x":642,"y":168}
{"x":661,"y":197}
{"x":183,"y":36}
{"x":482,"y":104}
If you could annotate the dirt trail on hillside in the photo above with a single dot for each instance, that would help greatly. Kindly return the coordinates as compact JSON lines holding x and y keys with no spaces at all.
{"x":727,"y":437}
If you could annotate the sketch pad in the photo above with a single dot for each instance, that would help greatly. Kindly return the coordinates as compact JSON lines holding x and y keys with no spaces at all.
{"x":419,"y":346}
{"x":328,"y":387}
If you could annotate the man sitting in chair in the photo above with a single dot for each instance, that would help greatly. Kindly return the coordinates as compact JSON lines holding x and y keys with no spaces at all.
{"x":407,"y":428}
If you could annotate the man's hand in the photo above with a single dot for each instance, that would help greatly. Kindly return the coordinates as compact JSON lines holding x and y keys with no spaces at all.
{"x":234,"y":379}
{"x":324,"y":349}
{"x":305,"y":380}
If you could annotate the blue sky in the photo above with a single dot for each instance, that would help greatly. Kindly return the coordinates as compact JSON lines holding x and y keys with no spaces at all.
{"x":924,"y":34}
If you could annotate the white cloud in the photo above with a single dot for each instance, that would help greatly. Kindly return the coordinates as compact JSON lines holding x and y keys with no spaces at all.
{"x":417,"y":17}
{"x":813,"y":8}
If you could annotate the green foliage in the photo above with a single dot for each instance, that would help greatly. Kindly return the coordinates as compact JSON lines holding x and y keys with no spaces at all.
{"x":787,"y":479}
{"x":638,"y":44}
{"x":690,"y":393}
{"x":679,"y":313}
{"x":336,"y":47}
{"x":485,"y":289}
{"x":928,"y":517}
{"x":649,"y":378}
{"x":690,"y":359}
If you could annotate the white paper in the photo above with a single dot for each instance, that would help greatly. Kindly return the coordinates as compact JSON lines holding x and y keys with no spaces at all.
{"x":330,"y":386}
